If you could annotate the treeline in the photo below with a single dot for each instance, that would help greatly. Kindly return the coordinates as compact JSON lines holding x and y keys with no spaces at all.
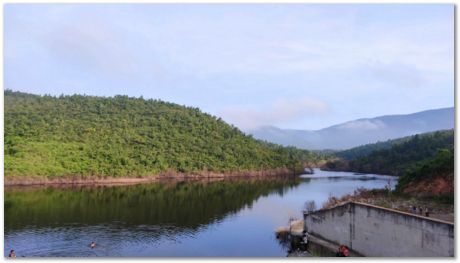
{"x":121,"y":135}
{"x":392,"y":157}
{"x":367,"y":149}
{"x":425,"y":163}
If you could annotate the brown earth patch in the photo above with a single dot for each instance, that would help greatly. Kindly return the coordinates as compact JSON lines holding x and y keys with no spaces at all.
{"x":108,"y":180}
{"x":441,"y":185}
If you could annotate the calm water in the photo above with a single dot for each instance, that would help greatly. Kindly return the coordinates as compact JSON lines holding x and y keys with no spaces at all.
{"x":224,"y":218}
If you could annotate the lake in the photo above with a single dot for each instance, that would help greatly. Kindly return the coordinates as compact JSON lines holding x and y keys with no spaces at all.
{"x":227,"y":218}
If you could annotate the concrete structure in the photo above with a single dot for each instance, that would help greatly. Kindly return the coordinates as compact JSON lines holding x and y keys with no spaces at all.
{"x":376,"y":231}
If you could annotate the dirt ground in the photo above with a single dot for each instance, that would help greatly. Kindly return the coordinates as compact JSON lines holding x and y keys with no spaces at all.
{"x":383,"y":198}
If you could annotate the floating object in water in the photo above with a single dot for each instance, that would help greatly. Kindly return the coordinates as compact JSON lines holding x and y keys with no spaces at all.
{"x":93,"y":244}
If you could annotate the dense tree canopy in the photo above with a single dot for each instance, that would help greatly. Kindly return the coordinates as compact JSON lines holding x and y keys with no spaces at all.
{"x":367,"y":149}
{"x":400,"y":156}
{"x":119,"y":136}
{"x":395,"y":156}
{"x":419,"y":160}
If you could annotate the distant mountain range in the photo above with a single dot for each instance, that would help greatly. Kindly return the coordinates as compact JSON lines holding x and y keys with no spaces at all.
{"x":362,"y":131}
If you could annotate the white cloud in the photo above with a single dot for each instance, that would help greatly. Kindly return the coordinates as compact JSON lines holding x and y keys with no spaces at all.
{"x":282,"y":110}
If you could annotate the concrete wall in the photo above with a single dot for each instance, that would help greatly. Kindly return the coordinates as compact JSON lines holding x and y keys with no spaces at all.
{"x":376,"y":231}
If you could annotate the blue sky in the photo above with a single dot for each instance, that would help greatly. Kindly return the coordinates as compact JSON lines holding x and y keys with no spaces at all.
{"x":302,"y":66}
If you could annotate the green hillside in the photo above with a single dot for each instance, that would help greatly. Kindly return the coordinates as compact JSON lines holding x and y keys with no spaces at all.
{"x":425,"y":163}
{"x":367,"y":149}
{"x":123,"y":136}
{"x":395,"y":156}
{"x":432,"y":177}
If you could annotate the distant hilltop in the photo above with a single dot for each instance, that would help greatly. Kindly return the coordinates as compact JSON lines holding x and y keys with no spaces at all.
{"x":359,"y":132}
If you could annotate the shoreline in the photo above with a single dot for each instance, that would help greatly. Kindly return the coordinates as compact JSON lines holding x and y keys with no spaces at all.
{"x":128,"y":180}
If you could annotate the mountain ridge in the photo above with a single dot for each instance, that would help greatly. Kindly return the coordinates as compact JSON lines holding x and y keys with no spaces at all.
{"x":360,"y":131}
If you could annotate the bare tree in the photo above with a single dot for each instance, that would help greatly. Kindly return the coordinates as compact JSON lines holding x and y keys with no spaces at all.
{"x":309,"y":206}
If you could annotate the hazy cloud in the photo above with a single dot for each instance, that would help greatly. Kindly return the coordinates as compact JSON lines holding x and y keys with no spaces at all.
{"x":362,"y":125}
{"x":215,"y":56}
{"x":395,"y":74}
{"x":282,"y":110}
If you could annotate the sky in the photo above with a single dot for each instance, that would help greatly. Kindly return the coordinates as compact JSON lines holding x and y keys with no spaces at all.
{"x":297,"y":66}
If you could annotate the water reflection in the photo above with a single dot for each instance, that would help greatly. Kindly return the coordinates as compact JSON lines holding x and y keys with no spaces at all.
{"x":223,"y":218}
{"x":132,"y":214}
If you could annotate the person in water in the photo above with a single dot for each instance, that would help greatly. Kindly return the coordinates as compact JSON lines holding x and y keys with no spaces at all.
{"x":93,"y":244}
{"x":11,"y":254}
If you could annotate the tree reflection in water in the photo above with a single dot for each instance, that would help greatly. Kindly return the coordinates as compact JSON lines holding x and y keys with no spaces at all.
{"x":177,"y":206}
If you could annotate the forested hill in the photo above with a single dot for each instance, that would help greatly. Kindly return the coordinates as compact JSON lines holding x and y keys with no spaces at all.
{"x":395,"y":156}
{"x":367,"y":149}
{"x":123,"y":136}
